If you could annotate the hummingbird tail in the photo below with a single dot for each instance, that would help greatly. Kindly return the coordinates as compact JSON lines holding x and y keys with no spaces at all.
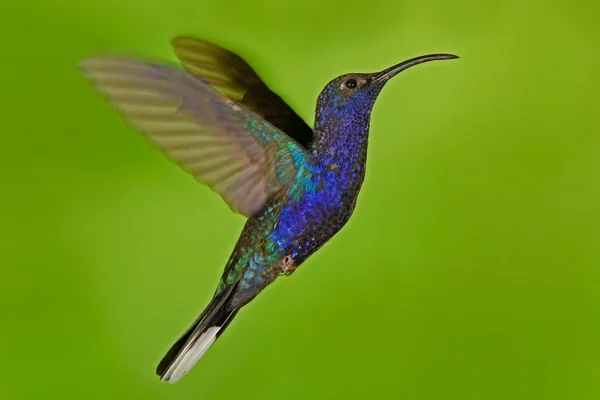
{"x":182,"y":356}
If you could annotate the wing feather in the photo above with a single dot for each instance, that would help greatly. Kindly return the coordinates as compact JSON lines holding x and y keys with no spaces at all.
{"x":230,"y":75}
{"x":221,"y":143}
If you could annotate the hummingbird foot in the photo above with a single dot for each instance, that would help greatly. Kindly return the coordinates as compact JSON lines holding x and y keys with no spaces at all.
{"x":287,"y":266}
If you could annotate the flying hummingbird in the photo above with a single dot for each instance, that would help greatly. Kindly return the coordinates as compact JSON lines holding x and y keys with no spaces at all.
{"x":218,"y":121}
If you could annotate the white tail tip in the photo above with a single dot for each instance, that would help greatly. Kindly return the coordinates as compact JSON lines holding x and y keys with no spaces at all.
{"x":190,"y":354}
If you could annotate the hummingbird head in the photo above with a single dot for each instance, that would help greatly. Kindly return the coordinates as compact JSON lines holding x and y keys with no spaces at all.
{"x":354,"y":94}
{"x":344,"y":106}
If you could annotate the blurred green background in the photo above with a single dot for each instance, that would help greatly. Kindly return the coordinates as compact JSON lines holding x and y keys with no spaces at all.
{"x":471,"y":267}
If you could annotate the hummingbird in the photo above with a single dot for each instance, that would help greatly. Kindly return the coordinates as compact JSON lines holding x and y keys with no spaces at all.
{"x":218,"y":120}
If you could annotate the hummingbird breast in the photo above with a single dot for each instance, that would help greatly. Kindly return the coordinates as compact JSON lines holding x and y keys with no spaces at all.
{"x":306,"y":224}
{"x":291,"y":227}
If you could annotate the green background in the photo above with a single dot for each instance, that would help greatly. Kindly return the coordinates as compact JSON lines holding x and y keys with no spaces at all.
{"x":471,"y":267}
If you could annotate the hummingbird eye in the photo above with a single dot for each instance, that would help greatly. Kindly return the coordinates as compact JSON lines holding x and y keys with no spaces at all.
{"x":351,"y":83}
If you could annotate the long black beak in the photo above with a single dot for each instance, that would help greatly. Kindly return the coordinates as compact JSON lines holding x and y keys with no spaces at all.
{"x":388,"y":73}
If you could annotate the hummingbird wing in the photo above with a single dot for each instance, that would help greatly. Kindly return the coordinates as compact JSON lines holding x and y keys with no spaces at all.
{"x":222,"y":144}
{"x":233,"y":77}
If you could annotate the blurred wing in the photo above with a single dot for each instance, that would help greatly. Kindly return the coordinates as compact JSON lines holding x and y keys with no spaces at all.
{"x":228,"y":147}
{"x":233,"y":77}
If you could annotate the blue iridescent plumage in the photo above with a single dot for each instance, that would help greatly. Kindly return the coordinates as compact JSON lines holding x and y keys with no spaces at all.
{"x":298,"y":186}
